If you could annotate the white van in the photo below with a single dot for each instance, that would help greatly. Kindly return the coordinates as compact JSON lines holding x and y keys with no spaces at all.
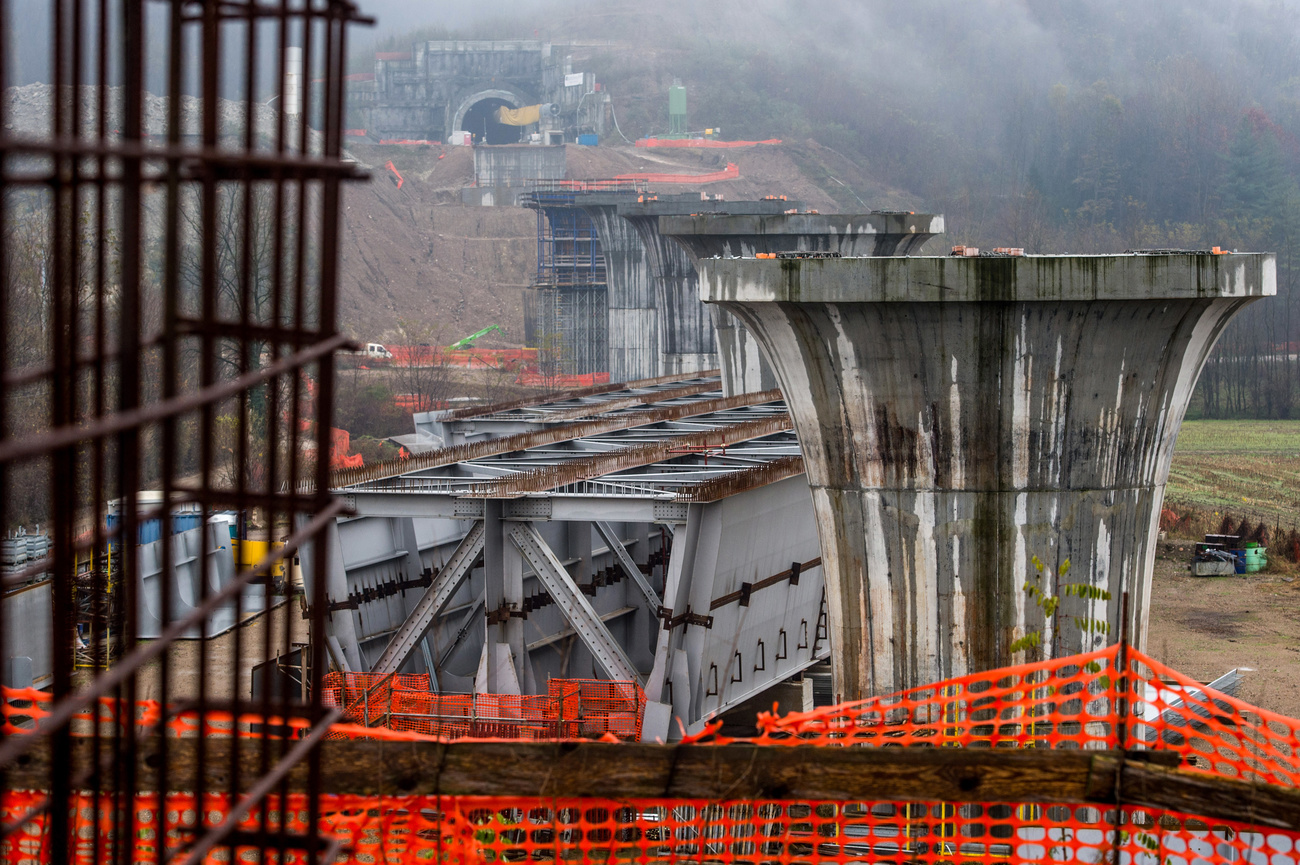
{"x":375,"y":350}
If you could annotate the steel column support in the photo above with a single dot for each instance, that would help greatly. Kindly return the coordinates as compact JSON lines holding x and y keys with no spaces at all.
{"x":671,"y":665}
{"x":339,"y":623}
{"x":432,"y":602}
{"x":571,"y":602}
{"x":504,"y":595}
{"x":578,"y":536}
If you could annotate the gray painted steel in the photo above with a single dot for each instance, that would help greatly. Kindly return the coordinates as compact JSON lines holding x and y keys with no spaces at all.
{"x":744,"y":369}
{"x":703,"y":670}
{"x":625,"y":562}
{"x":28,"y":631}
{"x":579,"y":613}
{"x":642,"y":516}
{"x":445,"y":584}
{"x":959,"y":416}
{"x":187,"y":574}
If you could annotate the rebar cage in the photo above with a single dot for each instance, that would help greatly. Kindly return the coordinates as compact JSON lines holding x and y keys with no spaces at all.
{"x":168,"y":317}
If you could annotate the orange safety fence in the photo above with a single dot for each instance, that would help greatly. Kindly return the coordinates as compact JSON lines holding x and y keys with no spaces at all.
{"x":397,"y":174}
{"x":571,"y":709}
{"x":699,"y":142}
{"x":731,"y":172}
{"x":469,"y":358}
{"x":561,"y":382}
{"x":340,"y":444}
{"x":1080,"y":702}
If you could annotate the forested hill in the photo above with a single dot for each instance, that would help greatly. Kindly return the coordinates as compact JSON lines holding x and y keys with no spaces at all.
{"x":1062,"y":127}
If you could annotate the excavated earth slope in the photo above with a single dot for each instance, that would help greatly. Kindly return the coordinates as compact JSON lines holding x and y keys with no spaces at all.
{"x":417,"y":253}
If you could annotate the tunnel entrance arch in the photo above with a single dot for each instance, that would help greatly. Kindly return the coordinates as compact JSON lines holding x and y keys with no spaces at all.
{"x":477,"y":115}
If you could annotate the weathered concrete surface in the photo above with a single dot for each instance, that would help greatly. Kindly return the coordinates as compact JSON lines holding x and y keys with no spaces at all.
{"x":959,"y":416}
{"x":686,"y":342}
{"x":744,"y":369}
{"x":633,"y":319}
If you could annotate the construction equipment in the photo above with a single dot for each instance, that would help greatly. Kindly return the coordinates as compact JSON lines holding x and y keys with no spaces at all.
{"x":468,"y":342}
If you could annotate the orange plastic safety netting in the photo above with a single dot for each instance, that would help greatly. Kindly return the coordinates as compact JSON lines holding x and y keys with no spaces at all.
{"x":1084,"y":701}
{"x":571,"y":709}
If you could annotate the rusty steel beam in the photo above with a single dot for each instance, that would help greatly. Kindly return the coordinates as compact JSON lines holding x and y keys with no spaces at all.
{"x":576,"y":393}
{"x":550,"y":435}
{"x":719,"y":488}
{"x":153,"y":329}
{"x":572,"y":471}
{"x":614,"y":405}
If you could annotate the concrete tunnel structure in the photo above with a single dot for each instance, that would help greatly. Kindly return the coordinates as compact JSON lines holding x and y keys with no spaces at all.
{"x":744,"y":369}
{"x":959,"y":416}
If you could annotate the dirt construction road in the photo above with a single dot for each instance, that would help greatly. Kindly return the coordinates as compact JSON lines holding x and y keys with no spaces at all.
{"x":1205,"y":626}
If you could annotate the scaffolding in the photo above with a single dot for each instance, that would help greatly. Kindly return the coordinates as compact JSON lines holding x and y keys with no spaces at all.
{"x":566,"y":312}
{"x":569,"y":327}
{"x":568,"y":248}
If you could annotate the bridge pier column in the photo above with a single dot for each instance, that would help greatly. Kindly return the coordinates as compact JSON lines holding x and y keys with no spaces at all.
{"x":961,"y":416}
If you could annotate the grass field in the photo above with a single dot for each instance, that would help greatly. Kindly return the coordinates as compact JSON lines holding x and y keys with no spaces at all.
{"x":1242,"y":467}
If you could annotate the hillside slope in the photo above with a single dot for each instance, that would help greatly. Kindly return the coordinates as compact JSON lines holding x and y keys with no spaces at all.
{"x":416,"y":253}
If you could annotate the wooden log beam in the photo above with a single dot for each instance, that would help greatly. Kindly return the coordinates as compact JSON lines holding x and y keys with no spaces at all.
{"x":640,"y":771}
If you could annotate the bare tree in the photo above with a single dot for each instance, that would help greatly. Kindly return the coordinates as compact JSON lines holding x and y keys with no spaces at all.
{"x":421,"y":369}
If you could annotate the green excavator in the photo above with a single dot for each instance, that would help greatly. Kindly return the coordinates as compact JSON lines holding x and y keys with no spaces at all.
{"x":468,"y":342}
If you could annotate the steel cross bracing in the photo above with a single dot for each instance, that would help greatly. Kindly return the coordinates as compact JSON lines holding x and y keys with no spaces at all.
{"x":625,"y":561}
{"x":607,"y":652}
{"x":656,"y":544}
{"x":435,"y":599}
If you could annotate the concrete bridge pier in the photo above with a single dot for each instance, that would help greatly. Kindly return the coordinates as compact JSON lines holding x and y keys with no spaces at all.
{"x":961,"y":416}
{"x":633,"y":319}
{"x":744,"y":369}
{"x":686,"y":332}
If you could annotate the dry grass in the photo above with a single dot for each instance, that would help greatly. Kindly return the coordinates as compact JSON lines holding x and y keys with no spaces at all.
{"x":1226,"y":473}
{"x":1245,"y":468}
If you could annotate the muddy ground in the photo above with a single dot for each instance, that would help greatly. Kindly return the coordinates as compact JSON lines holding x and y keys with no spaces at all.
{"x":1205,"y":626}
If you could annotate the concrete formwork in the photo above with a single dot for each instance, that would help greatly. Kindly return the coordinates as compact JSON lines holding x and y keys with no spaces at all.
{"x":744,"y":369}
{"x":686,"y":339}
{"x":960,"y":416}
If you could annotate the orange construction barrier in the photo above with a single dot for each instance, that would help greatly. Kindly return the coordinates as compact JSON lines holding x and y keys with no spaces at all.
{"x":1098,"y":700}
{"x":731,"y":172}
{"x":529,"y":378}
{"x":340,"y":444}
{"x":571,"y":709}
{"x":699,"y":142}
{"x":393,"y":168}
